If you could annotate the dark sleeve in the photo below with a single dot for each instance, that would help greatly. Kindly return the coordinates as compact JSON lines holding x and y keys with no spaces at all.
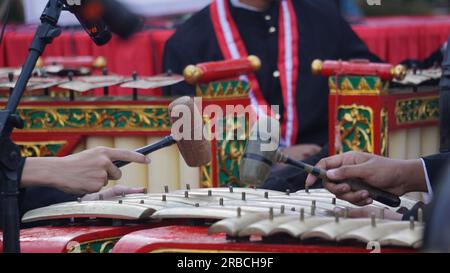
{"x":38,"y":197}
{"x":435,"y":166}
{"x":351,"y":46}
{"x":174,"y":61}
{"x":291,"y":178}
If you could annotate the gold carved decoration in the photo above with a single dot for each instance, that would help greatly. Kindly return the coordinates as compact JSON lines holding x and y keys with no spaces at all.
{"x":363,"y":85}
{"x":40,"y":149}
{"x":223,"y":89}
{"x":231,"y":149}
{"x":346,"y":85}
{"x":356,"y":128}
{"x":357,"y":85}
{"x":95,"y":246}
{"x":417,"y":110}
{"x":95,"y":118}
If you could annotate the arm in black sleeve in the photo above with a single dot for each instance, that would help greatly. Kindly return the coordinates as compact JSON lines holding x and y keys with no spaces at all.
{"x":37,"y":197}
{"x":435,"y":165}
{"x":174,"y":62}
{"x":291,"y":178}
{"x":434,"y":59}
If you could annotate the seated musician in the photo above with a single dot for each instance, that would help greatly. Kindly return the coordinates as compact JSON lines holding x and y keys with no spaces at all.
{"x":49,"y":180}
{"x":318,"y":31}
{"x":396,"y":176}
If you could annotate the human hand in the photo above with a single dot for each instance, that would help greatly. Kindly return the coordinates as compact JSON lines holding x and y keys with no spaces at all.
{"x":80,"y":173}
{"x":301,"y":152}
{"x":395,"y":176}
{"x":117,"y":190}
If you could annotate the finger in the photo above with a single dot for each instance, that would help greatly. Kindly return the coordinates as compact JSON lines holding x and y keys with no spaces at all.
{"x":114,"y":173}
{"x":337,"y":189}
{"x":331,"y":162}
{"x":349,"y":212}
{"x":348,"y":172}
{"x":117,"y":190}
{"x":325,"y":163}
{"x":125,"y":155}
{"x":90,"y":197}
{"x":315,"y":148}
{"x":359,"y":213}
{"x":366,"y":202}
{"x":134,"y":190}
{"x":121,"y":189}
{"x":310,"y":180}
{"x":359,"y":198}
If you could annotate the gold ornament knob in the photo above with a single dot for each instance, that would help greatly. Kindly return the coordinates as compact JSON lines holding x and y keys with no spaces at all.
{"x":39,"y":63}
{"x":316,"y":67}
{"x":99,"y":62}
{"x":192,"y":74}
{"x":398,"y":72}
{"x":255,"y":62}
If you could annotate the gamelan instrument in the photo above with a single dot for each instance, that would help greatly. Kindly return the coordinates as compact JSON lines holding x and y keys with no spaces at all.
{"x":382,"y":109}
{"x":366,"y":114}
{"x":226,"y":219}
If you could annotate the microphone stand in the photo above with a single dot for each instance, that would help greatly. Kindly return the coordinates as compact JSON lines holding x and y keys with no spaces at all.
{"x":444,"y":102}
{"x":10,"y":158}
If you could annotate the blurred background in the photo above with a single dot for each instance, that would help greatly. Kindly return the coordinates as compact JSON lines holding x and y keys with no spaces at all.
{"x":405,"y":7}
{"x":395,"y":30}
{"x":29,"y":10}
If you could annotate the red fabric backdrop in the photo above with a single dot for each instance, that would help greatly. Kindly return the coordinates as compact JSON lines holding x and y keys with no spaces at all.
{"x":393,"y":39}
{"x":398,"y":38}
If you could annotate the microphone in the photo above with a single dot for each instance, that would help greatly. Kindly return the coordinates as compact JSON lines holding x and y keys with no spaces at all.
{"x":196,"y":152}
{"x":101,"y":17}
{"x":257,"y":163}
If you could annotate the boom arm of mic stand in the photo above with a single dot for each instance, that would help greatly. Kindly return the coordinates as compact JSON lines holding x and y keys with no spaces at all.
{"x":10,"y":159}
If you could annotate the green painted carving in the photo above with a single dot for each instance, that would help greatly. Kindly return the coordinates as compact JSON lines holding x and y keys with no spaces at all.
{"x":417,"y":110}
{"x":230,"y":151}
{"x":101,"y":246}
{"x":357,"y":85}
{"x":227,"y":89}
{"x":39,"y":149}
{"x":95,"y":118}
{"x":356,"y":128}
